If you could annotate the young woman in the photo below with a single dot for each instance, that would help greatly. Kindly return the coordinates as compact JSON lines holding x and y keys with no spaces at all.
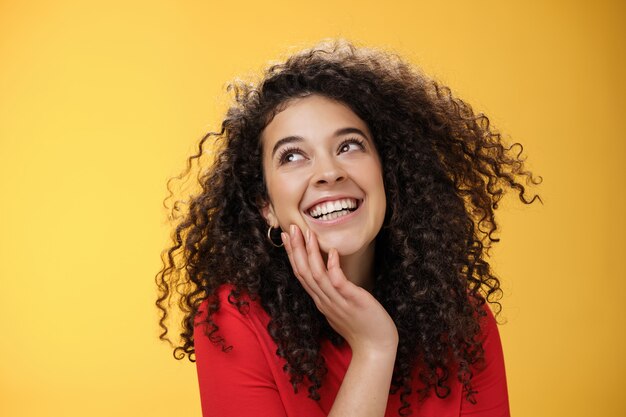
{"x":333,"y":262}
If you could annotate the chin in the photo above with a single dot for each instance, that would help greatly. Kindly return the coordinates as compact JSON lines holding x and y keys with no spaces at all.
{"x":344,"y":248}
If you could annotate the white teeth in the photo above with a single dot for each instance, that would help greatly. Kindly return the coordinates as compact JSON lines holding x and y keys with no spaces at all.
{"x":325,"y":209}
{"x":334,"y":215}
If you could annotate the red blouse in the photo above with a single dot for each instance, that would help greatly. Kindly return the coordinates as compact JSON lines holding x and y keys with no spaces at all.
{"x":249,"y":379}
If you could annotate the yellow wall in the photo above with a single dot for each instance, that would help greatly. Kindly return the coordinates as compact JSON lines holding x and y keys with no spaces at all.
{"x":100,"y":102}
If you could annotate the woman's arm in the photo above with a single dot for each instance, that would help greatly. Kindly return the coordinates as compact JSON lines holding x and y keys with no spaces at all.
{"x":358,"y":317}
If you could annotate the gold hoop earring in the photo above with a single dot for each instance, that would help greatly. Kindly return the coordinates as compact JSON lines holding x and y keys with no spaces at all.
{"x":269,"y":236}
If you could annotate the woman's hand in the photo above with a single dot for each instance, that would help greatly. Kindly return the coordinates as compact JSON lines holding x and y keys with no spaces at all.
{"x":351,"y":310}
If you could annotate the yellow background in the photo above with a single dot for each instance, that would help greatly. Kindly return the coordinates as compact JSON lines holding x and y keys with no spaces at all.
{"x":101,"y":101}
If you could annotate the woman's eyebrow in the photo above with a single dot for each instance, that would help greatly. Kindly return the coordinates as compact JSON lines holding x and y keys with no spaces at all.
{"x":348,"y":130}
{"x":284,"y":141}
{"x":338,"y":132}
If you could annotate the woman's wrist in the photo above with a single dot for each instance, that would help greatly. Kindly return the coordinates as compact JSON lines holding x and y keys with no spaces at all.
{"x":365,"y":389}
{"x":382,"y":348}
{"x":372,"y":353}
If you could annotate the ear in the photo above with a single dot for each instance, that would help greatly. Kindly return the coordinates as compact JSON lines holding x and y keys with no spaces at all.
{"x":267,"y":211}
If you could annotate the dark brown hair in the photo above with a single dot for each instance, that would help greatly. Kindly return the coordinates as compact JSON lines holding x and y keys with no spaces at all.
{"x":445,"y":170}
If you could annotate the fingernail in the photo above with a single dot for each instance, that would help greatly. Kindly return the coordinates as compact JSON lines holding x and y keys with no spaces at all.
{"x":308,"y":236}
{"x":292,"y":230}
{"x":283,"y":237}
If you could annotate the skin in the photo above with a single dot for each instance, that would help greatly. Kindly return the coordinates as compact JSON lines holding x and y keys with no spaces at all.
{"x":324,"y":256}
{"x":307,"y":157}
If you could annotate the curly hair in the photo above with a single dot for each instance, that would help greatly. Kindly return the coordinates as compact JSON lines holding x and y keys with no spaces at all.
{"x":445,"y":169}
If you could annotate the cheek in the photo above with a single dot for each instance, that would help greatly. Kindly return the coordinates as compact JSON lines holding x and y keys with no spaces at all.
{"x":373,"y":178}
{"x":377,"y":190}
{"x":285,"y":193}
{"x":381,"y":200}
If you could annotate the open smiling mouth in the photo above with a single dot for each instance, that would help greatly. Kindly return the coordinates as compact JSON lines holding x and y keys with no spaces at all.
{"x":330,"y":210}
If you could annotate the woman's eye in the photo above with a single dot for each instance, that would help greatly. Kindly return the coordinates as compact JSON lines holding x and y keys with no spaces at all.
{"x":351,"y":144}
{"x":289,"y":155}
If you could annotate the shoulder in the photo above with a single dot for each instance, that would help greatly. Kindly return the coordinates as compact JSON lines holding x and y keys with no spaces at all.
{"x":488,"y":337}
{"x":489,"y":333}
{"x":489,"y":375}
{"x":232,"y":344}
{"x":228,"y":296}
{"x":235,"y":356}
{"x":233,"y":312}
{"x":487,"y":319}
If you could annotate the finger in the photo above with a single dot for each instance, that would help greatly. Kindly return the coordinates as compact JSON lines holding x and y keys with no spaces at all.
{"x":287,"y":242}
{"x":339,"y":281}
{"x":289,"y":250}
{"x":318,"y":268}
{"x":301,"y":259}
{"x":316,"y":263}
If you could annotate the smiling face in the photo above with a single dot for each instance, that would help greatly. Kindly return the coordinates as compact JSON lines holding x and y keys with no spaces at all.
{"x":322,"y":172}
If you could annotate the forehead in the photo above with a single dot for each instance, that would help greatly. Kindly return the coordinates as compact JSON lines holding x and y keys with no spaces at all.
{"x":311,"y":117}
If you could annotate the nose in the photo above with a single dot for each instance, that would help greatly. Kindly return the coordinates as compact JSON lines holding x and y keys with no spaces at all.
{"x":328,"y":171}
